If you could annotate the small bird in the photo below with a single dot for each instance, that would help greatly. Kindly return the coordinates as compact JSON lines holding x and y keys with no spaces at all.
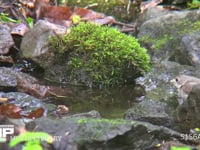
{"x":184,"y":84}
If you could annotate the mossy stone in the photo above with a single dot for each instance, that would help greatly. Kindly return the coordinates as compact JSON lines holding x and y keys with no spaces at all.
{"x":101,"y":55}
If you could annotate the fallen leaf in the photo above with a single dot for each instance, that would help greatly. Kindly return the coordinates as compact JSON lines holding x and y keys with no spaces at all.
{"x":6,"y":59}
{"x":35,"y":114}
{"x":86,"y":14}
{"x":3,"y":99}
{"x":10,"y":110}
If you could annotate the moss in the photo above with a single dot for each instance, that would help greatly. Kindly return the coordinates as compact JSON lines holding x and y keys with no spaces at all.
{"x":101,"y":56}
{"x":157,"y":42}
{"x":99,"y":121}
{"x":196,"y":26}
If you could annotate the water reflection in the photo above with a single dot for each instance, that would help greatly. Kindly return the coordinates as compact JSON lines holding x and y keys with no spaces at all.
{"x":110,"y":102}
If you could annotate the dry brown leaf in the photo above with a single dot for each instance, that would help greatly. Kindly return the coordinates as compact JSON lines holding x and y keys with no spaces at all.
{"x":36,"y":113}
{"x":10,"y":110}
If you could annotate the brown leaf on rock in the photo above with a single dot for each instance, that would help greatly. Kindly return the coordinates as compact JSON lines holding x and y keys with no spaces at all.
{"x":55,"y":12}
{"x":10,"y":110}
{"x":35,"y":114}
{"x":44,"y":10}
{"x":34,"y":89}
{"x":6,"y":59}
{"x":87,"y":14}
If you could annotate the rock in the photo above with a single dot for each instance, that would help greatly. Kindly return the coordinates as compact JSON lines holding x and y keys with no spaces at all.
{"x":159,"y":92}
{"x":149,"y":111}
{"x":6,"y":40}
{"x":188,"y":53}
{"x":152,"y":13}
{"x":9,"y":78}
{"x":34,"y":47}
{"x":26,"y":101}
{"x":34,"y":42}
{"x":157,"y":82}
{"x":14,"y":80}
{"x":87,"y":133}
{"x":188,"y":113}
{"x":162,"y":35}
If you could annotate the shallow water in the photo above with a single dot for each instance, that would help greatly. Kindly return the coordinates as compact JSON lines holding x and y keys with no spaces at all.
{"x":110,"y":102}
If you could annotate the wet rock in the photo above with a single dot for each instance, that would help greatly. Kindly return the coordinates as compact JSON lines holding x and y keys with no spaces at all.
{"x":8,"y":78}
{"x":159,"y":92}
{"x":27,"y":102}
{"x":162,"y":35}
{"x":188,"y":113}
{"x":87,"y":133}
{"x":149,"y":111}
{"x":6,"y":41}
{"x":157,"y":81}
{"x":14,"y":80}
{"x":91,"y":114}
{"x":188,"y":53}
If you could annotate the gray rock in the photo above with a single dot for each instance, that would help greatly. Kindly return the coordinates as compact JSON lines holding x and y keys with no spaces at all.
{"x":162,"y":35}
{"x":152,"y":13}
{"x":189,"y":50}
{"x":6,"y":40}
{"x":26,"y":101}
{"x":34,"y":42}
{"x":149,"y":111}
{"x":87,"y":133}
{"x":9,"y":78}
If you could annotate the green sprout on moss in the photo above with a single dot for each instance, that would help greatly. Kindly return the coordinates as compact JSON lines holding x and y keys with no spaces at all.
{"x":32,"y":140}
{"x":101,"y":55}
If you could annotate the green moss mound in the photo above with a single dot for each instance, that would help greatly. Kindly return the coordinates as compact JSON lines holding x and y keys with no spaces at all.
{"x":102,"y":56}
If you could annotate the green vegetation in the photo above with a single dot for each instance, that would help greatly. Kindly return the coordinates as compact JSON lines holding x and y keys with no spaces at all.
{"x":100,"y":55}
{"x":196,"y":26}
{"x":158,"y":43}
{"x":98,"y":121}
{"x":180,"y":148}
{"x":5,"y":18}
{"x":32,"y":140}
{"x":30,"y":21}
{"x":195,"y":4}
